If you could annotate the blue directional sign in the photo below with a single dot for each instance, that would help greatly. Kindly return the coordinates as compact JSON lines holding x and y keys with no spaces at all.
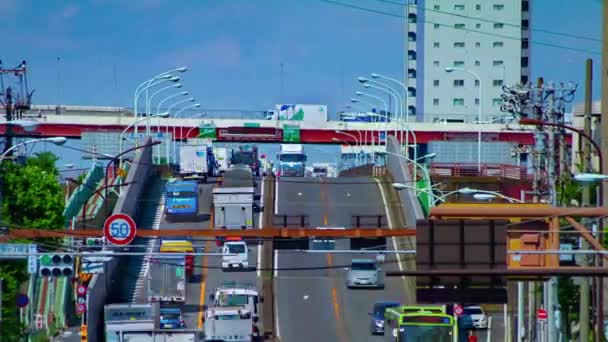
{"x":21,"y":251}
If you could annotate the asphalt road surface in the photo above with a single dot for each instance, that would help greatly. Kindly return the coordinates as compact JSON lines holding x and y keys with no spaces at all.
{"x":314,"y":305}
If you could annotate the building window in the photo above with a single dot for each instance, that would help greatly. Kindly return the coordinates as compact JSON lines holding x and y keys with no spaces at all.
{"x":435,"y":83}
{"x":499,"y":7}
{"x":411,"y":110}
{"x":458,"y":102}
{"x":525,"y":6}
{"x":411,"y":73}
{"x":411,"y":18}
{"x":477,"y":63}
{"x":459,"y":44}
{"x":436,"y":44}
{"x":478,"y":25}
{"x":458,"y":83}
{"x":435,"y":102}
{"x":436,"y":26}
{"x":524,"y":62}
{"x":477,"y":83}
{"x":411,"y":36}
{"x":524,"y":79}
{"x":459,"y":26}
{"x":477,"y":102}
{"x":499,"y":25}
{"x":497,"y":44}
{"x":411,"y":55}
{"x":458,"y":63}
{"x":496,"y":101}
{"x":411,"y":91}
{"x":436,"y":63}
{"x":497,"y":63}
{"x":525,"y":24}
{"x":497,"y":83}
{"x":459,"y":7}
{"x":436,"y":7}
{"x":478,"y":7}
{"x":477,"y":44}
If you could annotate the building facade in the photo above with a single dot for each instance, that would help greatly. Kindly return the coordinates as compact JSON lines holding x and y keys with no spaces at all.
{"x":484,"y":42}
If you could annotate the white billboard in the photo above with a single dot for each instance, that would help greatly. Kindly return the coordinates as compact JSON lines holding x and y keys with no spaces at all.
{"x":302,"y":112}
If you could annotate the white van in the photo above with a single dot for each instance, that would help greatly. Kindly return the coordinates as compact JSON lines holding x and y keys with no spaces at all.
{"x":235,"y":254}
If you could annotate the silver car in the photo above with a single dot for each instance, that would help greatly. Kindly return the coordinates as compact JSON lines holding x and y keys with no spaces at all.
{"x":364,"y":273}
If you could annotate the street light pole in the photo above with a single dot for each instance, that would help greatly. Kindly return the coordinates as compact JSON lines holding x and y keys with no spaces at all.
{"x":480,"y":120}
{"x":181,"y":127}
{"x":54,"y":140}
{"x":165,"y":114}
{"x":191,"y":99}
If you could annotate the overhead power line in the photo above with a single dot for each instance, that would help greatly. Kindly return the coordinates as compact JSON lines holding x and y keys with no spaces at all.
{"x":557,"y":46}
{"x":495,"y":21}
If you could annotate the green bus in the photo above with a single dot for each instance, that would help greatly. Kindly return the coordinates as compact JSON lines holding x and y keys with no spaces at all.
{"x":420,"y":323}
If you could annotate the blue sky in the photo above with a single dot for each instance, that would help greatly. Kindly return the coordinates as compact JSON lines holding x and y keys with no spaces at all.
{"x":234,"y":48}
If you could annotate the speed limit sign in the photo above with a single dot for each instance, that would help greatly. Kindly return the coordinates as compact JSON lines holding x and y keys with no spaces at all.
{"x":81,"y":290}
{"x":458,"y":310}
{"x":119,"y":229}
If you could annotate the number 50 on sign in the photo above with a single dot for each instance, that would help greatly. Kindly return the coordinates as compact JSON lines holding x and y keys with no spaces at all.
{"x":119,"y":229}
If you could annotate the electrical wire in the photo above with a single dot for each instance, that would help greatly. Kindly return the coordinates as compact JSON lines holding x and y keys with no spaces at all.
{"x":495,"y":22}
{"x":466,"y":29}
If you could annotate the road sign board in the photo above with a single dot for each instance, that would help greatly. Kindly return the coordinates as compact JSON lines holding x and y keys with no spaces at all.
{"x":92,"y":267}
{"x":6,"y":249}
{"x":22,"y":300}
{"x":82,"y":290}
{"x":541,"y":314}
{"x":32,"y":260}
{"x":119,"y":229}
{"x":458,"y":310}
{"x":81,"y":308}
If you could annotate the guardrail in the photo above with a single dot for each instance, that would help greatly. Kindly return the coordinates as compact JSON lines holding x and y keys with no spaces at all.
{"x":476,"y":170}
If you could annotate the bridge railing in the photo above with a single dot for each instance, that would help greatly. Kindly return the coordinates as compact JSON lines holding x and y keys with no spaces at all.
{"x":476,"y":170}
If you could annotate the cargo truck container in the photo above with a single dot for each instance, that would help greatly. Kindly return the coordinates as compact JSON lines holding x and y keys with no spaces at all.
{"x":233,"y":324}
{"x":167,"y":279}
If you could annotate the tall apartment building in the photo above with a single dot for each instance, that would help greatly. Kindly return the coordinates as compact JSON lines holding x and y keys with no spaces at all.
{"x":487,"y":38}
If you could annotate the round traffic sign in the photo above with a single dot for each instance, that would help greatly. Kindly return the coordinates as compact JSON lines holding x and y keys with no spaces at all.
{"x":458,"y":310}
{"x":119,"y":229}
{"x":541,"y":314}
{"x":22,"y":300}
{"x":81,"y":308}
{"x":82,"y":290}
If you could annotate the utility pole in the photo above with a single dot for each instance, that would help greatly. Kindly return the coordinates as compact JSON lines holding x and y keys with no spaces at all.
{"x":604,"y":167}
{"x":586,"y":163}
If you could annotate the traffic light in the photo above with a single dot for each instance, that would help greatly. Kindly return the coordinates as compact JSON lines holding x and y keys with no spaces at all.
{"x":57,"y":265}
{"x":97,"y":242}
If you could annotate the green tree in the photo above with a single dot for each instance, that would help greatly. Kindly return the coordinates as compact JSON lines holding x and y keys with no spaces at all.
{"x":31,"y":197}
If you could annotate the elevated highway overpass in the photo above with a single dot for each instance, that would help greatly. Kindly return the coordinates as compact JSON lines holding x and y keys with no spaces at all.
{"x":77,"y":122}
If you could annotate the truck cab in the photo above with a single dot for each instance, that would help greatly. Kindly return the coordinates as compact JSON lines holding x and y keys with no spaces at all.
{"x":247,"y":155}
{"x":292,"y":161}
{"x":171,"y":318}
{"x":237,"y":295}
{"x":235,"y":254}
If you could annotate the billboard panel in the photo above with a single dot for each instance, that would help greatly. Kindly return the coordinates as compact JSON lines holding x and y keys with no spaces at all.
{"x":301,"y":112}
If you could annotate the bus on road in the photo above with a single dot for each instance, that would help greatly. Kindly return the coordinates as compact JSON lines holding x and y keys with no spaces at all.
{"x":420,"y":323}
{"x":181,"y":199}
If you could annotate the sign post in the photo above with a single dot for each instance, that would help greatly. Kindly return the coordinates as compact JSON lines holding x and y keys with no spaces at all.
{"x":119,"y":229}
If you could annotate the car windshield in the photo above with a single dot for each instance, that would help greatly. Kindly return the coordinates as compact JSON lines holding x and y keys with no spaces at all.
{"x":292,"y":158}
{"x":411,"y":333}
{"x":170,"y":315}
{"x":363,"y":266}
{"x":243,"y":158}
{"x":236,"y":248}
{"x":226,"y":299}
{"x":379,"y":308}
{"x":181,"y":194}
{"x":473,"y":311}
{"x":319,"y":170}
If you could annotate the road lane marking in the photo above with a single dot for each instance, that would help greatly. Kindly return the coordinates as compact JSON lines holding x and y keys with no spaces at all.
{"x":201,"y":298}
{"x":390,"y":225}
{"x":276,"y":263}
{"x":334,"y":298}
{"x":276,"y":196}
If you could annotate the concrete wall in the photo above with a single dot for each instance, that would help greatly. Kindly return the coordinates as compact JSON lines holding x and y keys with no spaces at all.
{"x":127,"y":203}
{"x":397,"y":167}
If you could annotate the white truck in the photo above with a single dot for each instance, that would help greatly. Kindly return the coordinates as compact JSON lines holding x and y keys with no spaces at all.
{"x":194,"y":161}
{"x":232,"y":323}
{"x":121,"y":318}
{"x":222,"y":159}
{"x":233,"y":199}
{"x":292,"y":160}
{"x":237,"y":295}
{"x":167,"y":279}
